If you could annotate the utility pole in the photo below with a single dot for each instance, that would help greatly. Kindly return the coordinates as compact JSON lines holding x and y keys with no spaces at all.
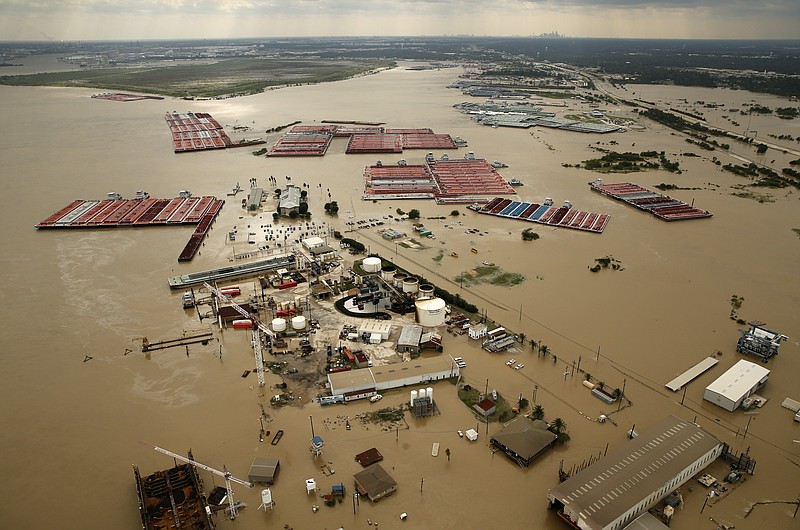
{"x":311,"y":418}
{"x":421,"y":482}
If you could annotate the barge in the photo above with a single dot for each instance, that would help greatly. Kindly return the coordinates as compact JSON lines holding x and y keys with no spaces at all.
{"x":172,"y":498}
{"x":545,"y":213}
{"x":235,"y":271}
{"x":662,"y":206}
{"x":116,"y":212}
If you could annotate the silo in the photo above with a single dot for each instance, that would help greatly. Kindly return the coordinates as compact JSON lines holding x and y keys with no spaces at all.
{"x":421,"y":393}
{"x":278,"y":324}
{"x":371,"y":265}
{"x":430,"y":393}
{"x":410,"y":285}
{"x":430,"y":312}
{"x":413,"y":396}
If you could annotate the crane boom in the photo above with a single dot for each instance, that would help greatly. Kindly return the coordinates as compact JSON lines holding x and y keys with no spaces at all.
{"x":256,"y":339}
{"x":224,"y":474}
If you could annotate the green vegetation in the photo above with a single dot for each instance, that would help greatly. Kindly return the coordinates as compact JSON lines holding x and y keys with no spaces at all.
{"x":455,"y":213}
{"x":281,"y":127}
{"x":491,"y":274}
{"x":439,"y":256}
{"x":260,"y":152}
{"x":608,"y":262}
{"x":332,"y":207}
{"x":736,"y":305}
{"x":529,"y":235}
{"x":796,"y":231}
{"x":669,"y":187}
{"x":613,"y":162}
{"x":227,"y":77}
{"x":355,"y":245}
{"x":764,"y":176}
{"x":470,"y":396}
{"x":413,"y":214}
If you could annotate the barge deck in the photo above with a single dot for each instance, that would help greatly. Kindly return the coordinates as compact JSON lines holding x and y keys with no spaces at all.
{"x":662,"y":206}
{"x":546,"y":214}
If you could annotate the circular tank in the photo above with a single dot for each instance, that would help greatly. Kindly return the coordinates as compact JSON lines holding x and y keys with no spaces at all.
{"x":371,"y":265}
{"x":388,"y":272}
{"x":413,"y":396}
{"x":398,"y":279}
{"x":430,"y":393}
{"x":410,"y":285}
{"x":421,"y":393}
{"x":278,"y":324}
{"x":425,"y":291}
{"x":299,"y":322}
{"x":430,"y":312}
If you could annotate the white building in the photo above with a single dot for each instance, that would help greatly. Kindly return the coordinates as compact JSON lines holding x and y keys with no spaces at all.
{"x":375,"y":328}
{"x":478,"y":331}
{"x":366,"y":382}
{"x":738,"y":383}
{"x":633,"y":478}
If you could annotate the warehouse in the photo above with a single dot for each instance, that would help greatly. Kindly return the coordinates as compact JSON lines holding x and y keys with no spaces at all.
{"x":738,"y":383}
{"x":635,"y":477}
{"x":365,"y":382}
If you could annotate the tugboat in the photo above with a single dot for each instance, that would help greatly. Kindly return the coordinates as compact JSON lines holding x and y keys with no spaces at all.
{"x":515,"y":182}
{"x":497,"y":164}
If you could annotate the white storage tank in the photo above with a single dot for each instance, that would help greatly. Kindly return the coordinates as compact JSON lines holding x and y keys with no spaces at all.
{"x":430,"y":312}
{"x":430,"y":393}
{"x":299,"y":322}
{"x":413,"y":396}
{"x":399,"y":277}
{"x":425,"y":291}
{"x":278,"y":324}
{"x":371,"y":265}
{"x":422,"y":393}
{"x":410,"y":285}
{"x":388,"y":272}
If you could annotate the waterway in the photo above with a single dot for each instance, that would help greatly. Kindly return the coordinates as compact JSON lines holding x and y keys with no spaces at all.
{"x":73,"y":426}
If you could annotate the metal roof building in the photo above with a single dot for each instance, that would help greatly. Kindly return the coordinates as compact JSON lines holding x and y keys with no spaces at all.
{"x":364,"y":382}
{"x":523,"y":439}
{"x":630,"y":480}
{"x":374,"y":482}
{"x":731,"y":388}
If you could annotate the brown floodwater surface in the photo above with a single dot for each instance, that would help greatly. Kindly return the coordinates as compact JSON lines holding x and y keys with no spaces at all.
{"x":72,"y":428}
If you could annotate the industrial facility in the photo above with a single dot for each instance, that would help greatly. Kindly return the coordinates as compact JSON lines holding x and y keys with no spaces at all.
{"x":759,"y":341}
{"x":635,"y":477}
{"x":731,"y":389}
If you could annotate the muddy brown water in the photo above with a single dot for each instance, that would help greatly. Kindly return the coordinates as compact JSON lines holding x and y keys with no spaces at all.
{"x":72,"y":429}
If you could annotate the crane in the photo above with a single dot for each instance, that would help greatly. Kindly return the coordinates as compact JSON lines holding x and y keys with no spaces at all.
{"x":256,"y":339}
{"x":225,"y":474}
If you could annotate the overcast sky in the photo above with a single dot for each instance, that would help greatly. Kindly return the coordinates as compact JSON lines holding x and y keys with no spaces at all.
{"x":165,"y":19}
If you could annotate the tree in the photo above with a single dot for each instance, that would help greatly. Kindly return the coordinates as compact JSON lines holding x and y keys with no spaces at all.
{"x":544,"y":350}
{"x":587,"y":377}
{"x":521,"y":338}
{"x":601,"y":385}
{"x":293,"y":214}
{"x":447,"y":452}
{"x":558,"y":426}
{"x":534,"y":343}
{"x":455,"y":213}
{"x":303,"y":208}
{"x":413,"y":214}
{"x":616,"y":393}
{"x":538,"y":412}
{"x":303,"y":194}
{"x":523,"y":402}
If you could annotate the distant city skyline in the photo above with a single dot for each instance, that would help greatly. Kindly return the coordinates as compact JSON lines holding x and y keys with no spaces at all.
{"x":196,"y":19}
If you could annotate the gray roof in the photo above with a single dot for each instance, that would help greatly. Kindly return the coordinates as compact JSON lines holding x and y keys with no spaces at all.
{"x":375,"y":481}
{"x":607,"y":489}
{"x":525,"y":437}
{"x":290,"y":197}
{"x":263,"y":470}
{"x":410,"y":336}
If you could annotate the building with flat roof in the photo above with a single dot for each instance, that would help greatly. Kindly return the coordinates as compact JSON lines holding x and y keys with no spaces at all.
{"x":263,"y":470}
{"x":409,"y":339}
{"x":374,"y":482}
{"x":633,"y":478}
{"x":731,"y":388}
{"x":366,"y":382}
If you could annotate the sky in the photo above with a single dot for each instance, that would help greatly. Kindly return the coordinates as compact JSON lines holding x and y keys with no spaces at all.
{"x":180,"y":19}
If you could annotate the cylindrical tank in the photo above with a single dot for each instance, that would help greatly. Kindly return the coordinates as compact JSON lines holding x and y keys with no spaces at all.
{"x":388,"y":272}
{"x":231,"y":291}
{"x":430,"y":312}
{"x":425,"y":291}
{"x":299,"y":322}
{"x":398,"y":279}
{"x":430,"y":393}
{"x":421,"y":393}
{"x":410,"y":285}
{"x":243,"y":324}
{"x":278,"y":324}
{"x":413,"y":396}
{"x":371,"y":265}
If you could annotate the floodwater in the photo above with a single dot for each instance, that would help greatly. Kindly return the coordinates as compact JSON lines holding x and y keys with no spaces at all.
{"x":73,"y":428}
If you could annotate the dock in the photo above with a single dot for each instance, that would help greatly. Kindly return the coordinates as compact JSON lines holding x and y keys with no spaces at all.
{"x":662,"y":206}
{"x":235,"y":271}
{"x":546,"y":214}
{"x":691,"y":374}
{"x":140,"y":212}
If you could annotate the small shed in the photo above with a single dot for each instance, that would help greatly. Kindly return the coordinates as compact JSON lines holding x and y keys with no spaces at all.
{"x":263,"y":470}
{"x":374,"y":482}
{"x":471,"y":435}
{"x":409,"y":340}
{"x":369,"y":457}
{"x":485,"y":407}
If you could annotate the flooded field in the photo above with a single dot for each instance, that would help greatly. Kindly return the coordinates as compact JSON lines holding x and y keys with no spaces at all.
{"x":74,"y":426}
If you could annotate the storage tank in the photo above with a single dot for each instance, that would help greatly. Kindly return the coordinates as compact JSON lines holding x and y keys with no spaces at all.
{"x":371,"y":265}
{"x":425,"y":291}
{"x":410,"y":285}
{"x":413,"y":396}
{"x":388,"y":272}
{"x":430,"y":393}
{"x":278,"y":324}
{"x":243,"y":324}
{"x":299,"y":322}
{"x":398,"y":279}
{"x":430,"y":312}
{"x":421,"y":393}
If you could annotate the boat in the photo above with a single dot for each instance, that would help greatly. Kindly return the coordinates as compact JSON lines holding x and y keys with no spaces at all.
{"x":474,"y":250}
{"x":277,"y":438}
{"x":141,"y":195}
{"x":188,"y":300}
{"x":498,"y":164}
{"x":454,"y":254}
{"x":435,"y":449}
{"x":515,"y":182}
